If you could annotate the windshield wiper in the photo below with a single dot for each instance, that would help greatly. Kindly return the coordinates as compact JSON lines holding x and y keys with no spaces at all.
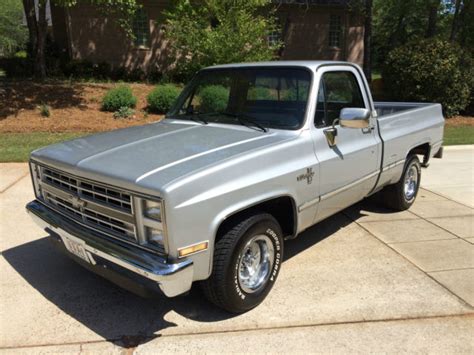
{"x":247,"y":120}
{"x":243,"y":119}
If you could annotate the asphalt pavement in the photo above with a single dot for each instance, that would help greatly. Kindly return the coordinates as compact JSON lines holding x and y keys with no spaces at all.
{"x":365,"y":280}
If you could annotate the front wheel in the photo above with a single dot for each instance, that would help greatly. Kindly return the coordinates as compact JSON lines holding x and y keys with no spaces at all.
{"x":402,"y":195}
{"x":247,"y":260}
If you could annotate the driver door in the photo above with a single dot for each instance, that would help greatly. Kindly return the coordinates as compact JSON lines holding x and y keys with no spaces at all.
{"x":349,"y":169}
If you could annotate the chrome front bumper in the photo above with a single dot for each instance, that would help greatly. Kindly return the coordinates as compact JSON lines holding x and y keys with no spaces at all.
{"x":172,"y":278}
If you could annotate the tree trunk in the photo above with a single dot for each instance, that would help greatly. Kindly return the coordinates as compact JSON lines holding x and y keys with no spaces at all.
{"x":455,"y":24}
{"x":30,"y":15}
{"x":432,"y":18}
{"x":42,"y":29}
{"x":465,"y":13}
{"x":368,"y":40}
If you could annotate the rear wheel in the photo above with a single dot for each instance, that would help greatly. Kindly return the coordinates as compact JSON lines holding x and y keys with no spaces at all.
{"x":402,"y":195}
{"x":247,"y":261}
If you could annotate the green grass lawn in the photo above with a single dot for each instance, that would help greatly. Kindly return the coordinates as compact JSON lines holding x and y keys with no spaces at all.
{"x":16,"y":147}
{"x":459,"y":135}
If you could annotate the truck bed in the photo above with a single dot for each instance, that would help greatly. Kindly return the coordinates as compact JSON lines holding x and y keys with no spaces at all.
{"x":388,"y":108}
{"x":404,"y":126}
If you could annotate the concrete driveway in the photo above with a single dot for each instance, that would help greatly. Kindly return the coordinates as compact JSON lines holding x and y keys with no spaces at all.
{"x":365,"y":280}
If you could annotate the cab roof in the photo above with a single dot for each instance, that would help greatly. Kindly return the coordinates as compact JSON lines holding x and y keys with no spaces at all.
{"x":311,"y":64}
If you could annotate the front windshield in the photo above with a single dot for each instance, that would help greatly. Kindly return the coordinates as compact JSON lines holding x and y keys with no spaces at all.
{"x":260,"y":97}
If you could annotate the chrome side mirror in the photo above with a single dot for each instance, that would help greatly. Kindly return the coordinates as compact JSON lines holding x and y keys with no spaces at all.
{"x":354,"y":118}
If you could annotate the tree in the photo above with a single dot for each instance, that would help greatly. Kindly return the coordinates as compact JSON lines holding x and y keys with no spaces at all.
{"x":13,"y":35}
{"x":466,"y":25}
{"x":122,"y":10}
{"x":430,"y":70}
{"x":455,"y":24}
{"x":433,"y":8}
{"x":368,"y":40}
{"x":208,"y":32}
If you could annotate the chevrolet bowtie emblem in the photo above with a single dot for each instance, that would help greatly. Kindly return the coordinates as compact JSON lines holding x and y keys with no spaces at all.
{"x":308,"y":176}
{"x":77,"y":203}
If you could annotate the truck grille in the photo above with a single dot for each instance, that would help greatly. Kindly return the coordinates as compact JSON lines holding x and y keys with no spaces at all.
{"x":97,"y":193}
{"x":100,"y":207}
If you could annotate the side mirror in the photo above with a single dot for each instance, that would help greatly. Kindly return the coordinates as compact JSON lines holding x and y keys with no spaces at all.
{"x":354,"y":118}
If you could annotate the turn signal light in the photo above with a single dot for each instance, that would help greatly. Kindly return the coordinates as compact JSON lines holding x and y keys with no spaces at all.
{"x":192,"y":249}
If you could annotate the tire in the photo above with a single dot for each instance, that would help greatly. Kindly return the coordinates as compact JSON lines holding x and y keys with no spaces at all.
{"x":253,"y":243}
{"x":402,"y":195}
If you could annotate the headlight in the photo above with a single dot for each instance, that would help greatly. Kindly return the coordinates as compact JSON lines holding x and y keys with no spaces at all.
{"x":153,"y":210}
{"x":151,"y":223}
{"x":155,"y":236}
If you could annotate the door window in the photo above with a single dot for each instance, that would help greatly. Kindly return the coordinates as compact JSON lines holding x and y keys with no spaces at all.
{"x":337,"y":90}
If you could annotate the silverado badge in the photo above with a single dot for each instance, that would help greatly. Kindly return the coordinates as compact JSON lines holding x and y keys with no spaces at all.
{"x":308,"y":176}
{"x":77,"y":203}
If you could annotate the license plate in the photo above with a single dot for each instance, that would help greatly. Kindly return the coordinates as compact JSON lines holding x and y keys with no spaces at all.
{"x":75,"y":247}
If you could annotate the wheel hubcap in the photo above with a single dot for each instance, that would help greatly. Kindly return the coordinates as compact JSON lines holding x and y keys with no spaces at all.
{"x":256,"y":262}
{"x":411,"y":182}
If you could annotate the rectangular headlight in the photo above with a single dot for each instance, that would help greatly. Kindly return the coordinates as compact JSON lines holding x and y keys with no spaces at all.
{"x":155,"y":236}
{"x":150,"y":216}
{"x":152,"y":209}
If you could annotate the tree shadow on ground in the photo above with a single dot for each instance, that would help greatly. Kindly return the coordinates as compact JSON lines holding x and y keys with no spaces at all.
{"x":119,"y":316}
{"x":28,"y":95}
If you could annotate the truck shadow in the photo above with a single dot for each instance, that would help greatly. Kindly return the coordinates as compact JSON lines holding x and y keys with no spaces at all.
{"x":114,"y":314}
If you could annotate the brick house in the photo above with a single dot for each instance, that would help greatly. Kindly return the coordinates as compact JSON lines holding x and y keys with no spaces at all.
{"x":310,"y":29}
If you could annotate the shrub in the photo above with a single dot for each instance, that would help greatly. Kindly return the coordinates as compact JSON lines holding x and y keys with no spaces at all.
{"x":260,"y":93}
{"x":102,"y":70}
{"x":124,"y":112}
{"x":45,"y":111}
{"x":213,"y":98}
{"x":429,"y":70}
{"x":162,"y":98}
{"x":17,"y":67}
{"x":79,"y":68}
{"x":135,"y":75}
{"x":117,"y":98}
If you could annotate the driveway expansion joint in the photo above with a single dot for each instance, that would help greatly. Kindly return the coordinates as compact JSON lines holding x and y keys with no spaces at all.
{"x":412,"y":263}
{"x":118,"y":340}
{"x":14,"y":182}
{"x":446,"y":197}
{"x":440,"y":227}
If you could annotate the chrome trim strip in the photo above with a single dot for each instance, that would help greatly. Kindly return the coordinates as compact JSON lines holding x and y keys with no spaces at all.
{"x":347,"y":187}
{"x":393,"y":165}
{"x":310,"y":203}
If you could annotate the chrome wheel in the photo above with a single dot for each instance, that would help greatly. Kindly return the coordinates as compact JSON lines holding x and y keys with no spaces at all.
{"x":256,"y":262}
{"x":411,"y":182}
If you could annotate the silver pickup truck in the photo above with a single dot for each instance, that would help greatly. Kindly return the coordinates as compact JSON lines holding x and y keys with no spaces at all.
{"x":249,"y":156}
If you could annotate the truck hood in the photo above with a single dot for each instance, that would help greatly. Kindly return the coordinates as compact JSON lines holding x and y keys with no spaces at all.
{"x":147,"y":158}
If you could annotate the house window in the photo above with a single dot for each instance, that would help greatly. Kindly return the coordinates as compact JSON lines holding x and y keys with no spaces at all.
{"x":274,"y":38}
{"x":335,"y":31}
{"x":141,"y":28}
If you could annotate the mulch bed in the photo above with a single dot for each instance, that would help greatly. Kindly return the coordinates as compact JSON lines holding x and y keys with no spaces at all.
{"x":74,"y":107}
